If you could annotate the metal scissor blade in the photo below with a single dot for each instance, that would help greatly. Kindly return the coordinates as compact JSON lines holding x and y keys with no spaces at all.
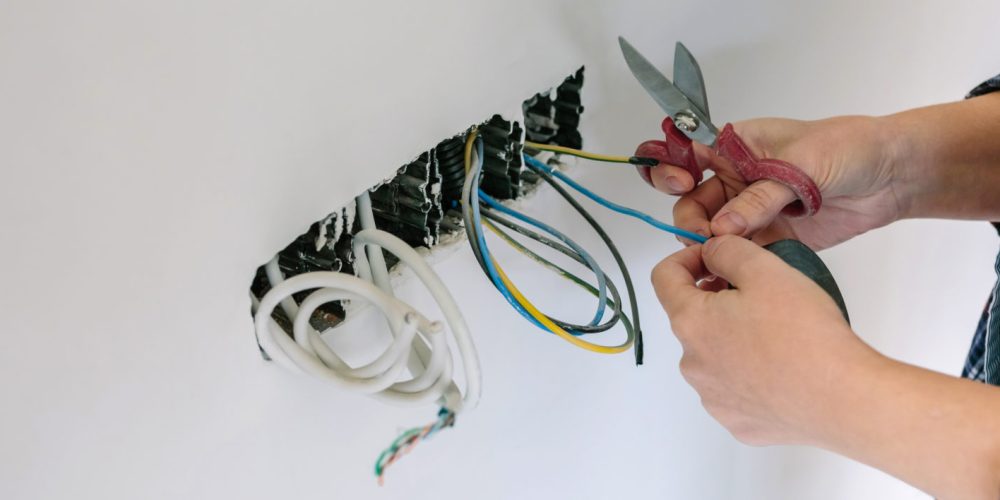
{"x":687,"y":77}
{"x":668,"y":96}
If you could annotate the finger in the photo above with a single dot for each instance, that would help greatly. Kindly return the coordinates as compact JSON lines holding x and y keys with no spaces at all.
{"x":752,"y":209}
{"x":741,"y":262}
{"x":675,"y":277}
{"x":780,"y":229}
{"x":670,"y":179}
{"x":694,"y":210}
{"x":713,"y":284}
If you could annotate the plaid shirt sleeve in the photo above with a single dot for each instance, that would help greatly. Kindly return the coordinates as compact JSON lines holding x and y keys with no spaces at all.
{"x":983,"y":361}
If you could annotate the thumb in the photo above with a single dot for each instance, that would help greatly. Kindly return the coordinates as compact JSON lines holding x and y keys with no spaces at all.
{"x":740,"y":261}
{"x":752,"y":209}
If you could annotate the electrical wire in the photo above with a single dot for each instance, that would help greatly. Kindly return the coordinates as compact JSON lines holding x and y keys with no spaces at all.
{"x":473,"y":224}
{"x":527,"y":252}
{"x":307,"y":350}
{"x":418,"y":344}
{"x":538,"y":166}
{"x":372,"y":267}
{"x":619,"y":261}
{"x":633,"y":160}
{"x":408,"y":439}
{"x":615,"y":303}
{"x":602,"y":282}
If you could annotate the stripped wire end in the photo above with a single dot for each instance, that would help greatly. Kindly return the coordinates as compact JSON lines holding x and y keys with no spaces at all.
{"x":408,"y":440}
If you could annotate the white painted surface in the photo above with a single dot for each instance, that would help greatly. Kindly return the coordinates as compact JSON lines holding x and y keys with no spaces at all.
{"x":154,"y":154}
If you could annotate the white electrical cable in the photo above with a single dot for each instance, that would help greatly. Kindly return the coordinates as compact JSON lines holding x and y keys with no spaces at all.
{"x":418,"y":343}
{"x":379,"y":272}
{"x":374,"y":270}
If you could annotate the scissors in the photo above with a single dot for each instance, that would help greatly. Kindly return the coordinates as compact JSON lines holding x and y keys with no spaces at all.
{"x":688,"y":120}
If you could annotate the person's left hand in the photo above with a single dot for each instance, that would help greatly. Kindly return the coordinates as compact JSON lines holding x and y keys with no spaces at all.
{"x":764,"y":357}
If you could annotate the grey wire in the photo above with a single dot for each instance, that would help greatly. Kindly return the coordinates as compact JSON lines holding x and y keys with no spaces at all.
{"x":615,"y":300}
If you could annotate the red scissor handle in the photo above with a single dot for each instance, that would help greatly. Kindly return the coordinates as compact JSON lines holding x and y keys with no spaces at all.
{"x":677,"y":150}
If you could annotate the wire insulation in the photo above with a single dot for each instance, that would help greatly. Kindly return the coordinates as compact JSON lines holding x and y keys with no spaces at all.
{"x":634,"y":160}
{"x":538,"y":166}
{"x":418,"y":343}
{"x":615,"y":304}
{"x":630,"y":289}
{"x":614,"y":301}
{"x":471,"y":214}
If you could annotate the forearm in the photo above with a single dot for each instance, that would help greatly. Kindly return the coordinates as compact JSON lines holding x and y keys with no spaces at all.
{"x":939,"y":433}
{"x":946,"y":159}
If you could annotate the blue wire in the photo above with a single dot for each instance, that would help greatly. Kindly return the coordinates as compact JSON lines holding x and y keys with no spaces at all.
{"x":537,"y":165}
{"x":601,"y":279}
{"x":484,"y":249}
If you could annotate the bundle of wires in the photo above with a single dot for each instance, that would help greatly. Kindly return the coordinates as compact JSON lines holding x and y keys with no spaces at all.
{"x":543,"y":169}
{"x":408,"y":439}
{"x":476,"y":205}
{"x":419,"y":344}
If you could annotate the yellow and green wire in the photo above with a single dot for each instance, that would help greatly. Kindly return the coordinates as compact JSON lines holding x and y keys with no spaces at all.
{"x":632,"y":160}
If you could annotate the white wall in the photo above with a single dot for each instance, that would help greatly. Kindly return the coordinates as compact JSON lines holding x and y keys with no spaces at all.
{"x":154,"y":154}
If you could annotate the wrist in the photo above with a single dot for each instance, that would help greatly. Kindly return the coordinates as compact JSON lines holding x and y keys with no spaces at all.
{"x":943,"y":159}
{"x":901,"y":162}
{"x":845,"y":392}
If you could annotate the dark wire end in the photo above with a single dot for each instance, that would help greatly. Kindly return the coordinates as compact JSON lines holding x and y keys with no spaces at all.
{"x":643,"y":161}
{"x":639,"y":348}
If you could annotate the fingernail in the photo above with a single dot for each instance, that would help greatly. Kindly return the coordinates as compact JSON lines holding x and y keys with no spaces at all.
{"x":675,"y":184}
{"x":731,"y":223}
{"x":688,"y":242}
{"x":709,"y":245}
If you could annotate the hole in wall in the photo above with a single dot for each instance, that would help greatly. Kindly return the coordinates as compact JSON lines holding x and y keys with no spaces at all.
{"x":419,"y":204}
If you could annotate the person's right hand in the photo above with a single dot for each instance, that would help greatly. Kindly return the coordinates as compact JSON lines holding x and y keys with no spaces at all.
{"x":850,"y":158}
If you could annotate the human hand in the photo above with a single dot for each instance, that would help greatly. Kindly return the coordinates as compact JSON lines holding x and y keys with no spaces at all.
{"x":764,"y":357}
{"x":852,"y":159}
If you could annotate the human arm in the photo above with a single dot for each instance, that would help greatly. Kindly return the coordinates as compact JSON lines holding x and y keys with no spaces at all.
{"x":937,"y":161}
{"x":775,"y":363}
{"x":949,"y":160}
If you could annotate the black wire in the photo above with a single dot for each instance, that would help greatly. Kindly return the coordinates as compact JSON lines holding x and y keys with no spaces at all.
{"x":614,"y":251}
{"x":643,"y":161}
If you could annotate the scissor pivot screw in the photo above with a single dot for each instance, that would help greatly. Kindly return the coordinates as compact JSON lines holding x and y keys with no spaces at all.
{"x":686,"y":121}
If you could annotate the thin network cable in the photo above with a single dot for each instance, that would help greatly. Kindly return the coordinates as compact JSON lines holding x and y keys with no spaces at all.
{"x":408,"y":439}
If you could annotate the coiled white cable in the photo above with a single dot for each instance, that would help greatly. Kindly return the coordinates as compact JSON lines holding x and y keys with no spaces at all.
{"x":418,"y":343}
